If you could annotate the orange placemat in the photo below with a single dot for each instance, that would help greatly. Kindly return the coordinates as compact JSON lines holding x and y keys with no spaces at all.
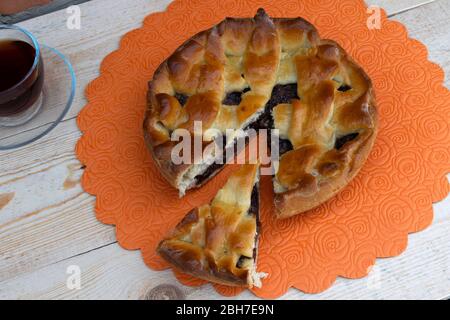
{"x":391,"y":197}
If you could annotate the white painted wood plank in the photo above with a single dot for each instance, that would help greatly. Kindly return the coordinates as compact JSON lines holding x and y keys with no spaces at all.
{"x":45,"y":165}
{"x":393,"y":7}
{"x":45,"y":216}
{"x":422,"y":272}
{"x":430,"y":24}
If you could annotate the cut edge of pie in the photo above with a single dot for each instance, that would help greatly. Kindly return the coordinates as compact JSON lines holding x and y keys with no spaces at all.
{"x":218,"y":242}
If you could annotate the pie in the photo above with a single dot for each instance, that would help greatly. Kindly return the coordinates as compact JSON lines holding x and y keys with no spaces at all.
{"x":218,"y":241}
{"x":266,"y":73}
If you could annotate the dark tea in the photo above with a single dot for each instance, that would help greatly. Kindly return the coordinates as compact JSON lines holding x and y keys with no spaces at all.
{"x":20,"y":83}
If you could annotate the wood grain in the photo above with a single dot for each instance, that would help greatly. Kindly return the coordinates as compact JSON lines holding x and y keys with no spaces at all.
{"x":430,"y":24}
{"x":395,"y":7}
{"x":110,"y":272}
{"x":54,"y":5}
{"x":47,"y":223}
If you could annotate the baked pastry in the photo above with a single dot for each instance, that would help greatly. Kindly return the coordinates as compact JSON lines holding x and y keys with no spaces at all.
{"x":266,"y":73}
{"x":218,"y":241}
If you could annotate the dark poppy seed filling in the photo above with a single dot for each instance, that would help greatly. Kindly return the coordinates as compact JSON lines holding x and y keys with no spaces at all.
{"x":254,"y":203}
{"x":253,"y":210}
{"x":264,"y":121}
{"x":214,"y":167}
{"x":344,"y":87}
{"x":280,"y":94}
{"x":182,"y":98}
{"x":285,"y":145}
{"x":341,"y":141}
{"x":240,"y":263}
{"x":234,"y":98}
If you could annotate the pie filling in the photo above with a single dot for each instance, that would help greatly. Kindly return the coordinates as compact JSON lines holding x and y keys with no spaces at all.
{"x":285,"y":145}
{"x":344,"y":87}
{"x":264,"y":120}
{"x":208,"y":173}
{"x":199,"y":174}
{"x":341,"y":141}
{"x":250,"y":262}
{"x":182,"y":98}
{"x":254,"y":211}
{"x":234,"y":98}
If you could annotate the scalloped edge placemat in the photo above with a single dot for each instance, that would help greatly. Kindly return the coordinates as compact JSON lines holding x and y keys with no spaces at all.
{"x":391,"y":197}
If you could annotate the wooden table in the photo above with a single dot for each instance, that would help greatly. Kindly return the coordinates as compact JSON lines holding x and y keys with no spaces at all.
{"x":47,"y":222}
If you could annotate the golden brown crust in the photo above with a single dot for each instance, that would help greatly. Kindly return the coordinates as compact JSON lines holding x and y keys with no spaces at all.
{"x":322,"y":169}
{"x":334,"y":100}
{"x":211,"y":239}
{"x":234,"y":55}
{"x":300,"y":200}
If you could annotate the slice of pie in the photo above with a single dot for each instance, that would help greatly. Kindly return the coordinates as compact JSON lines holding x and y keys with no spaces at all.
{"x":266,"y":73}
{"x":218,"y":241}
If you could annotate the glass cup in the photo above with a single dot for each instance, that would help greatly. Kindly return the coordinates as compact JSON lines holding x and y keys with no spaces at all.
{"x":21,"y":76}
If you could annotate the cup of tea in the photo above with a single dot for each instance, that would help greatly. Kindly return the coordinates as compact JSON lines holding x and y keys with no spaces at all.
{"x":21,"y":76}
{"x":31,"y":105}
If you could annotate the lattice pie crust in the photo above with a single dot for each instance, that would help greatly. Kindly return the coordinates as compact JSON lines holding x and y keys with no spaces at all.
{"x":267,"y":73}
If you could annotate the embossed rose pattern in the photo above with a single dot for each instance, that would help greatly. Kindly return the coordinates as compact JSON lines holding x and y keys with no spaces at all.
{"x":370,"y":218}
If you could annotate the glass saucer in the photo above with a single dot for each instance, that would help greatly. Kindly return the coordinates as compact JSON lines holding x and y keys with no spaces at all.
{"x":57,"y":97}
